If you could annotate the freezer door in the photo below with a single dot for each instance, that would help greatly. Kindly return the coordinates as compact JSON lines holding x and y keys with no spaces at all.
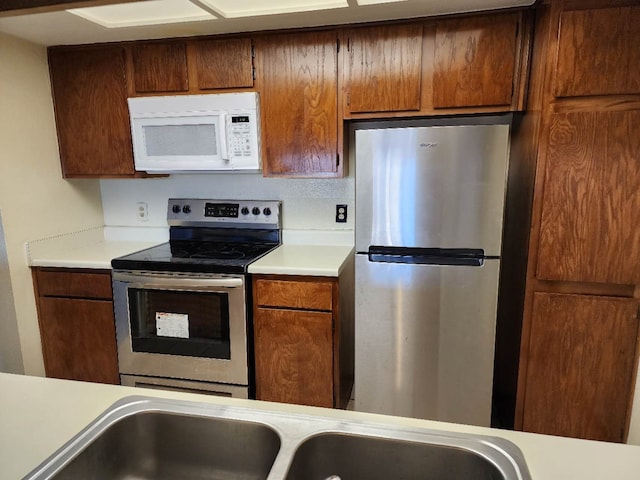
{"x":440,"y":187}
{"x":425,"y":340}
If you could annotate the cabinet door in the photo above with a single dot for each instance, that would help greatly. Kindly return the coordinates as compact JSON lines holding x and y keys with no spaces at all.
{"x":591,"y":201}
{"x":384,"y":69}
{"x":475,"y":60}
{"x":160,"y":67}
{"x":79,"y":339}
{"x":92,"y":116}
{"x":294,"y":356}
{"x":598,"y":52}
{"x":224,"y":63}
{"x":299,"y":104}
{"x":580,"y":369}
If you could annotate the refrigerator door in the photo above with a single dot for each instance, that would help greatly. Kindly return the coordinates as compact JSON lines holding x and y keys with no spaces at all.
{"x":440,"y":187}
{"x":425,"y":340}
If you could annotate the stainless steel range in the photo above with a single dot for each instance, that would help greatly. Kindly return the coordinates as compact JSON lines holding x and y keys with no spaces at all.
{"x":182,"y":308}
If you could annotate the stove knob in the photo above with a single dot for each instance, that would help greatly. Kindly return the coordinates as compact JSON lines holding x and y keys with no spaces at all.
{"x":267,"y":211}
{"x":176,"y":209}
{"x":186,"y":209}
{"x":255,"y":211}
{"x":244,"y":211}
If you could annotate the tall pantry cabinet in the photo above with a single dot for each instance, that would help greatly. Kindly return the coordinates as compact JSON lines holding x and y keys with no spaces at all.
{"x":580,"y":331}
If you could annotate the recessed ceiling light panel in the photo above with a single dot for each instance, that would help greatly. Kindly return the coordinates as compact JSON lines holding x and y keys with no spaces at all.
{"x":252,"y":8}
{"x":151,"y":12}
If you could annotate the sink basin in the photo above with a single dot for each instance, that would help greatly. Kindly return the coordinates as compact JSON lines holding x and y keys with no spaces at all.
{"x":353,"y":456}
{"x":148,"y":438}
{"x":155,"y":445}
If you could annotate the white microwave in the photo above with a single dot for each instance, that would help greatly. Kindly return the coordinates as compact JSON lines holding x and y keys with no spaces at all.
{"x":185,"y":133}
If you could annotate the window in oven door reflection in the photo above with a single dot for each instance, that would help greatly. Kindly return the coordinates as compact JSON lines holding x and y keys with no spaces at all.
{"x":187,"y":323}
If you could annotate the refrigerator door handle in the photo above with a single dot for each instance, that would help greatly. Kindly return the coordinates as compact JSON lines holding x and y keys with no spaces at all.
{"x":473,"y":257}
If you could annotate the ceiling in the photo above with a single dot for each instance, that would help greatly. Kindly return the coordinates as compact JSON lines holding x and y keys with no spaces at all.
{"x":210,"y":17}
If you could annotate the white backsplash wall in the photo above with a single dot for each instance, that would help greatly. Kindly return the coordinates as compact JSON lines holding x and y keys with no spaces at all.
{"x":307,"y":204}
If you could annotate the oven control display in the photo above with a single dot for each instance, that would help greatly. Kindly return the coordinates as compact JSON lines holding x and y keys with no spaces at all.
{"x":221,"y":210}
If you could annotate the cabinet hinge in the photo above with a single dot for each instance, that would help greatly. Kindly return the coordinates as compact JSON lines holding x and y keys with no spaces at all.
{"x":348,"y":98}
{"x":253,"y":51}
{"x":337,"y":160}
{"x":348,"y":44}
{"x":338,"y":44}
{"x":253,"y":72}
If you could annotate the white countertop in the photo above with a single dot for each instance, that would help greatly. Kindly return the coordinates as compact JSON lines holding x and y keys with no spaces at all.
{"x":38,"y":415}
{"x":95,"y":248}
{"x":84,"y":249}
{"x":96,"y":255}
{"x":317,"y":260}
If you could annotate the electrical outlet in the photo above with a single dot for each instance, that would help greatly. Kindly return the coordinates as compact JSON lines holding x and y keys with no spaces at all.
{"x":341,"y":213}
{"x":142,"y":211}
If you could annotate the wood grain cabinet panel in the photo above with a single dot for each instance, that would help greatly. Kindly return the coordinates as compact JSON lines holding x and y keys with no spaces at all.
{"x":79,"y":339}
{"x":294,"y":356}
{"x":384,"y":68}
{"x":160,"y":67}
{"x":598,"y":52}
{"x":299,"y":104}
{"x":303,"y":337}
{"x":92,"y":116}
{"x":591,"y":200}
{"x":580,"y":368}
{"x":475,"y":60}
{"x":70,"y":283}
{"x":314,"y":295}
{"x":224,"y":63}
{"x":77,"y":326}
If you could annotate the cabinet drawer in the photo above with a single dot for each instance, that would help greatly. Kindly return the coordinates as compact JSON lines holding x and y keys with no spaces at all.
{"x":311,"y":295}
{"x":70,"y":283}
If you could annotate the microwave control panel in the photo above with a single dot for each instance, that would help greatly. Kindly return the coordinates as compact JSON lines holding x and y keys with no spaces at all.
{"x":240,"y":135}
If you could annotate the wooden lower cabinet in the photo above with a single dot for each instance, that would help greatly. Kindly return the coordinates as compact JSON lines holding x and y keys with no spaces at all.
{"x":580,"y":372}
{"x":303,"y":337}
{"x":77,"y":329}
{"x":295,"y":356}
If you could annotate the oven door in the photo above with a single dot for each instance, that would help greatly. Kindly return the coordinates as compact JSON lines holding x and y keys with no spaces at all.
{"x":177,"y":325}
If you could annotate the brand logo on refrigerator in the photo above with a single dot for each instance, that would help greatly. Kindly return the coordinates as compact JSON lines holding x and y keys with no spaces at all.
{"x":428,"y":145}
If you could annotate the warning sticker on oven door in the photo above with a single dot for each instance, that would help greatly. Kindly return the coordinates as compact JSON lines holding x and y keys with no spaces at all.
{"x":172,"y":325}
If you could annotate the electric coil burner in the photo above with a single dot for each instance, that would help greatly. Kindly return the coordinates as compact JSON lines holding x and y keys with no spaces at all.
{"x":182,"y":319}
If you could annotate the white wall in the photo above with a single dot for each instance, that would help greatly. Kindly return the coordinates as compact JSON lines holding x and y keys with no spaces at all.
{"x":34,"y":199}
{"x":308,"y":204}
{"x":10,"y":354}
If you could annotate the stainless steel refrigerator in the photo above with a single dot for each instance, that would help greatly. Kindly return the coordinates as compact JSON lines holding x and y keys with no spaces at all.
{"x":429,"y":212}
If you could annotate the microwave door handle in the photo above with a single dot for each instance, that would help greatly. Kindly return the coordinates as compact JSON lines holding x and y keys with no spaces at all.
{"x":224,"y":136}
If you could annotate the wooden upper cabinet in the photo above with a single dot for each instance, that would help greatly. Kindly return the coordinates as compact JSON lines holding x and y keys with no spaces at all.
{"x":160,"y":67}
{"x":475,"y":61}
{"x":92,"y":117}
{"x":299,"y":104}
{"x":598,"y":52}
{"x":591,"y":202}
{"x":581,"y":363}
{"x":383,"y":73}
{"x":224,"y":63}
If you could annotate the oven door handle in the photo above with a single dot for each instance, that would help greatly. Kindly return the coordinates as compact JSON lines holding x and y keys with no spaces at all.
{"x":136,"y":281}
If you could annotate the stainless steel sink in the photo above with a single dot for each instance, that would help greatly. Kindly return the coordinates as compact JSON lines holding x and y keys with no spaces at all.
{"x":147,"y":438}
{"x":354,"y":457}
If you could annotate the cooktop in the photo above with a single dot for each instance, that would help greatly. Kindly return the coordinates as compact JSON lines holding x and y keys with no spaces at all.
{"x":211,"y":236}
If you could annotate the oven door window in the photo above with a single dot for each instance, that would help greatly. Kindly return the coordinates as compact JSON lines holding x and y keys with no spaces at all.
{"x":186,"y":323}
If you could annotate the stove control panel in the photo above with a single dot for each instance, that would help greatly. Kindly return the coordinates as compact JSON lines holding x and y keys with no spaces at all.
{"x":224,"y":213}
